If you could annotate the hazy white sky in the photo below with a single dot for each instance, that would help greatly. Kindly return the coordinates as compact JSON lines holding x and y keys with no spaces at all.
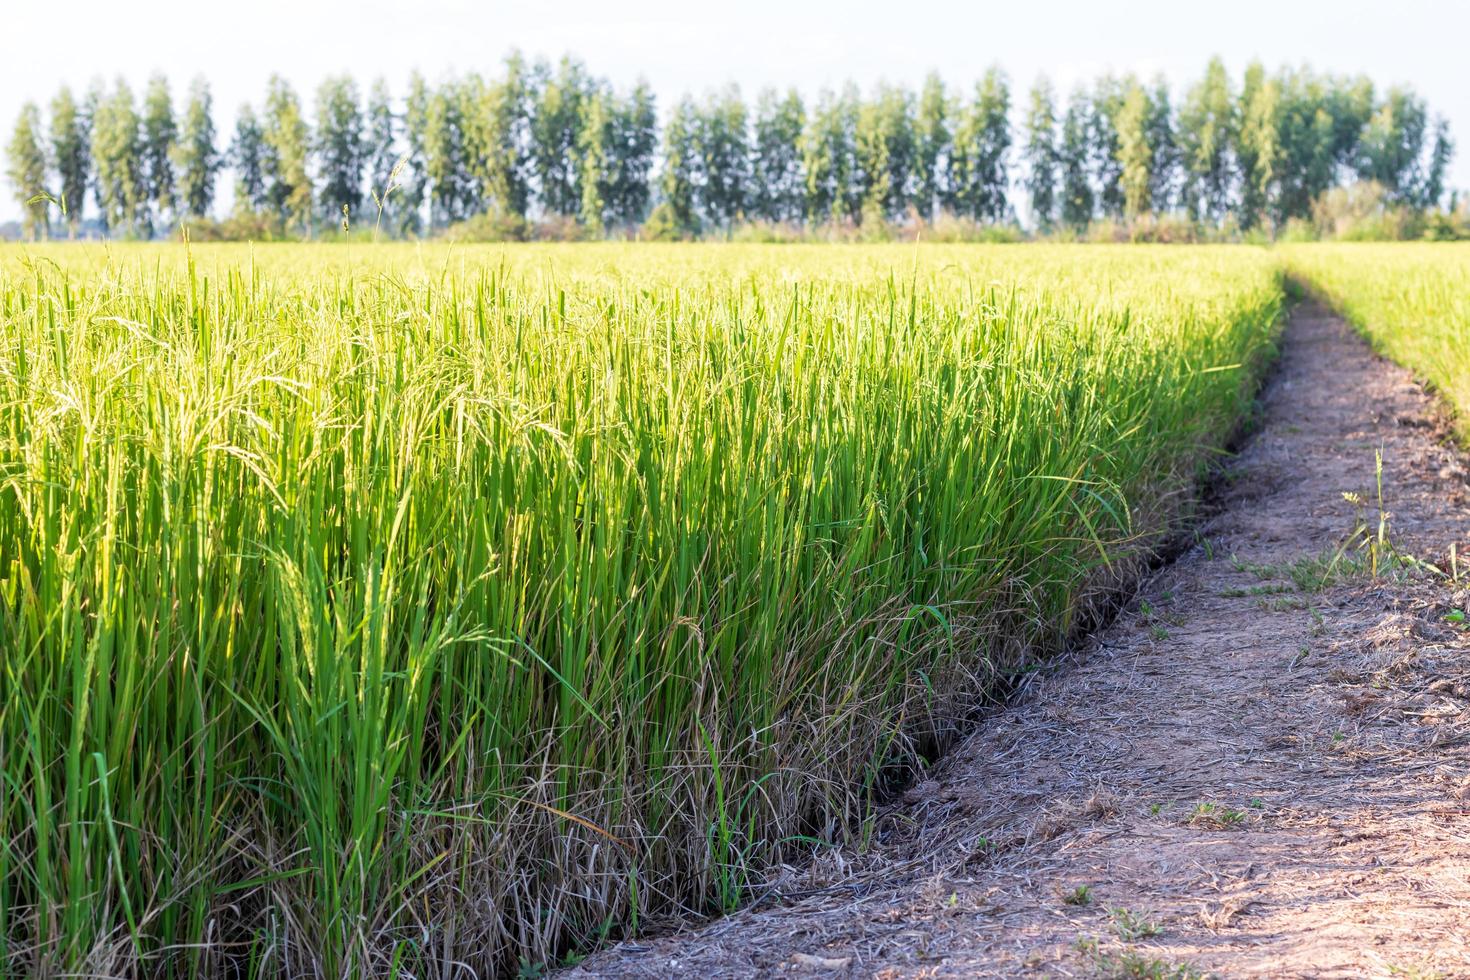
{"x":683,"y":46}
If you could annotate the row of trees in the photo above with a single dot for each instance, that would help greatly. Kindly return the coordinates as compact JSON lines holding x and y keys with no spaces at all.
{"x":537,"y":143}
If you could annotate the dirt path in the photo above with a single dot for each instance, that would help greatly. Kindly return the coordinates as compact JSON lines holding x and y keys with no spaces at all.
{"x":1252,"y":772}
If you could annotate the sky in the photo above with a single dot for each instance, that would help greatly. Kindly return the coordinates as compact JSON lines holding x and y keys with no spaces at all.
{"x":679,"y":46}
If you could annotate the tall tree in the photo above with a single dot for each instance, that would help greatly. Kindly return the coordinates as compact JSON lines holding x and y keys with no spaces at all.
{"x":777,"y":182}
{"x":683,"y":177}
{"x":446,"y":155}
{"x":1107,"y":102}
{"x":1306,"y":137}
{"x":1350,"y":104}
{"x":829,"y":157}
{"x":117,"y":152}
{"x":1075,"y":160}
{"x":380,"y":156}
{"x":248,"y":158}
{"x":1393,"y":145}
{"x":26,"y":169}
{"x":635,"y":142}
{"x":71,"y":136}
{"x":1207,"y":124}
{"x":932,"y":145}
{"x":1257,"y":146}
{"x":885,"y":152}
{"x":473,"y":99}
{"x":556,"y":125}
{"x":597,"y":150}
{"x":1163,"y":147}
{"x":195,"y":155}
{"x":160,"y":133}
{"x":1439,"y":161}
{"x":339,"y":147}
{"x":982,"y":139}
{"x":509,"y":147}
{"x":1042,"y":157}
{"x":287,"y":143}
{"x":724,"y":157}
{"x":416,"y":170}
{"x":1135,"y":155}
{"x":616,"y":145}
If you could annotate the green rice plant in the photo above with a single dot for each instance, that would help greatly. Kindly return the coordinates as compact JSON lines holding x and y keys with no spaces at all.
{"x":394,"y":610}
{"x":1410,"y":300}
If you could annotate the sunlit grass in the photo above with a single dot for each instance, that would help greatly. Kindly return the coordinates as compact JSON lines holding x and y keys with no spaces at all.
{"x":373,"y":610}
{"x":1412,"y":301}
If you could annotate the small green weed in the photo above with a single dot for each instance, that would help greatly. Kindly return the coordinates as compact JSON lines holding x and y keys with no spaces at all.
{"x":1131,"y":964}
{"x":1131,"y":925}
{"x":1214,"y":815}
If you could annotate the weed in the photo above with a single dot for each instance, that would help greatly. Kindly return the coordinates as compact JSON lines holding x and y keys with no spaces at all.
{"x":1131,"y":964}
{"x":1214,"y":815}
{"x":1131,"y":925}
{"x":1081,"y":895}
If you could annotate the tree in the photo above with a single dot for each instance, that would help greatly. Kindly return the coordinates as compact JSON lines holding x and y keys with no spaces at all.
{"x":931,"y":147}
{"x":1350,"y":104}
{"x":617,"y":145}
{"x":1107,"y":102}
{"x":555,"y":126}
{"x":416,"y":169}
{"x":635,"y":142}
{"x":777,"y":184}
{"x":1257,"y":145}
{"x":1206,"y":132}
{"x":160,"y":132}
{"x":1041,"y":154}
{"x":885,"y":152}
{"x":982,"y":138}
{"x":1163,"y":147}
{"x":26,"y":169}
{"x":508,"y":139}
{"x":724,"y":157}
{"x":248,"y":157}
{"x":1393,"y":145}
{"x":71,"y":136}
{"x":117,"y":153}
{"x":380,"y":154}
{"x":1439,"y":162}
{"x":1074,"y":158}
{"x":339,"y":149}
{"x":682,"y":176}
{"x":829,"y":157}
{"x":472,"y":99}
{"x":1135,"y":155}
{"x":447,"y":161}
{"x":1306,"y":136}
{"x":195,"y":155}
{"x":287,"y":142}
{"x":595,"y":145}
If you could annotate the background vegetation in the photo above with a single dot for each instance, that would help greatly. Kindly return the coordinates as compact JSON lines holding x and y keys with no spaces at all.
{"x":538,"y":151}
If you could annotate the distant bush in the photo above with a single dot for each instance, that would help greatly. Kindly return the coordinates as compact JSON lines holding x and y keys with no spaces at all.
{"x":1363,"y":212}
{"x":242,"y":226}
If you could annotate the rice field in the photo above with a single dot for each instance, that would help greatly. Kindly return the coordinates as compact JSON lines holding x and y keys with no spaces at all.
{"x":1411,"y":301}
{"x":427,"y":611}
